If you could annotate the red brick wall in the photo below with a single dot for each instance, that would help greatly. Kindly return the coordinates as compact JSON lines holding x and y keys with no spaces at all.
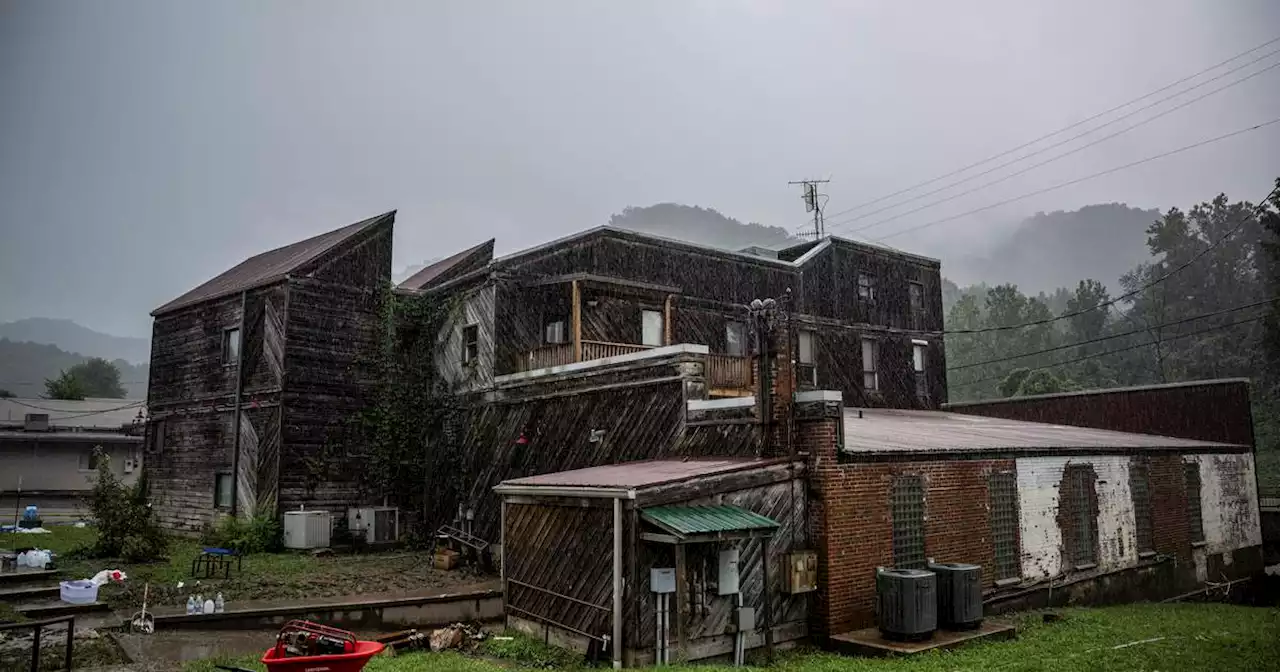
{"x":853,"y":527}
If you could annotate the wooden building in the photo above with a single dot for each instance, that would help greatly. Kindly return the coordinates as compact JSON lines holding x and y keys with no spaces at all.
{"x":255,"y":373}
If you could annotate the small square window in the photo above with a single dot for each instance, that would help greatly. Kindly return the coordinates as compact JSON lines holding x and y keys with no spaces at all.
{"x":735,"y":339}
{"x":90,"y":459}
{"x":555,"y":333}
{"x":866,"y":287}
{"x":651,"y":328}
{"x":231,"y":345}
{"x":870,"y":364}
{"x":470,"y":344}
{"x":222,"y":491}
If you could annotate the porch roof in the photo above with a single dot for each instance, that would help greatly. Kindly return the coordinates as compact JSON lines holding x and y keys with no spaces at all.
{"x":686,"y":521}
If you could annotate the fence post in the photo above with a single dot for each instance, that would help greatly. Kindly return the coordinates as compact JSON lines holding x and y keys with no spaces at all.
{"x":71,"y":635}
{"x":35,"y":649}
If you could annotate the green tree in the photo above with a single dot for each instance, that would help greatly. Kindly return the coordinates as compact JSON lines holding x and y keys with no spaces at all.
{"x":6,"y":394}
{"x":1013,"y":382}
{"x":99,"y":378}
{"x":1042,"y":381}
{"x":65,"y":386}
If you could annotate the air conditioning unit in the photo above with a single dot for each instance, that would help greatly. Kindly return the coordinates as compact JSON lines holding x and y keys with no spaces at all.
{"x":959,"y":595}
{"x":307,"y":529}
{"x":907,"y":603}
{"x":380,"y":524}
{"x":35,"y":422}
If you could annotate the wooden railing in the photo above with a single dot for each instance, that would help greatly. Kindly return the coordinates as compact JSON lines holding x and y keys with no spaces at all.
{"x":600,"y":349}
{"x":728,"y":371}
{"x":548,"y":356}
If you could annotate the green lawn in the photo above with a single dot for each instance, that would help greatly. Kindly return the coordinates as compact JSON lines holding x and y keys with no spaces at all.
{"x":1135,"y":637}
{"x":266,"y":576}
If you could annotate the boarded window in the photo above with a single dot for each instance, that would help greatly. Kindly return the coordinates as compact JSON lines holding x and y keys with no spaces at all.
{"x":1003,"y":491}
{"x":1140,"y":490}
{"x":906,"y":502}
{"x":470,"y":344}
{"x":916,"y":292}
{"x":231,"y":345}
{"x":1195,"y":520}
{"x":1078,"y":515}
{"x":651,"y":328}
{"x":555,"y":333}
{"x":222,"y":491}
{"x":866,"y":287}
{"x":870,"y":361}
{"x":735,"y":339}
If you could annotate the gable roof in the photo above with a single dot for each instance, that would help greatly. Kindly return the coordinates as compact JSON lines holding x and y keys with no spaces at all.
{"x":453,"y":266}
{"x":272,"y":265}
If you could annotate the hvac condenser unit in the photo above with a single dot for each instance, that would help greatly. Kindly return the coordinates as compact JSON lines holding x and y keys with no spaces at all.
{"x":380,"y":524}
{"x":907,"y":602}
{"x":959,"y":595}
{"x":307,"y":529}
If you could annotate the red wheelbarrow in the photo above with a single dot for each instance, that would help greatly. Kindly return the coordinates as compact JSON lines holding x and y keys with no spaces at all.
{"x":303,"y":646}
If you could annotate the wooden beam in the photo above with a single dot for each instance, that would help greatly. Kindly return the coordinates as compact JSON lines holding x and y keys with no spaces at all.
{"x":577,"y":322}
{"x":666,"y":319}
{"x":660,"y":538}
{"x":601,"y":280}
{"x":682,"y":604}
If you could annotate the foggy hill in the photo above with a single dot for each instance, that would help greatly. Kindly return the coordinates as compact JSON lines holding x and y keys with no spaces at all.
{"x":74,"y":338}
{"x":704,"y":226}
{"x":24,"y":366}
{"x":1057,"y":249}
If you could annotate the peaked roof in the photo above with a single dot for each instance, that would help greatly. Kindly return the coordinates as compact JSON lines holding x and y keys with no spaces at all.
{"x":452,"y":266}
{"x":271,"y":266}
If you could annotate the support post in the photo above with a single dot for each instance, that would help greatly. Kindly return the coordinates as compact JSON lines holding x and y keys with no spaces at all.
{"x":666,"y":320}
{"x":768,"y":598}
{"x":576,"y":320}
{"x":502,"y":561}
{"x":682,"y":601}
{"x":617,"y":584}
{"x":235,"y":418}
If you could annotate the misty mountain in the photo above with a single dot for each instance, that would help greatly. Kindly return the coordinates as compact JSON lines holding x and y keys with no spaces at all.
{"x":24,"y":366}
{"x":73,"y":338}
{"x":1057,"y":249}
{"x":704,"y":226}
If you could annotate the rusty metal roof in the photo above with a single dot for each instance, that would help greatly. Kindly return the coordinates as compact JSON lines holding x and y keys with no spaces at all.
{"x":637,"y":474}
{"x":271,"y":266}
{"x":689,"y":520}
{"x":451,"y":266}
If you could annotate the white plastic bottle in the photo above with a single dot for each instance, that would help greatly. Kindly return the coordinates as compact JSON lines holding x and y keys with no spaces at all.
{"x":219,"y":604}
{"x":191,"y":604}
{"x":208,"y":606}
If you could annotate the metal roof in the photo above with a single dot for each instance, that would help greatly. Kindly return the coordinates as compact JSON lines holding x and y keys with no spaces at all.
{"x":470,"y":258}
{"x":690,"y":520}
{"x":83,"y":414}
{"x":272,"y":265}
{"x":70,"y":437}
{"x":904,"y":432}
{"x":636,"y":474}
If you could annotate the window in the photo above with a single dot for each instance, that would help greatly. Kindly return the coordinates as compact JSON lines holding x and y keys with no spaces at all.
{"x":804,"y":348}
{"x":651,"y":328}
{"x":906,"y":501}
{"x":870,"y":359}
{"x":222,"y":491}
{"x":470,"y":344}
{"x":90,"y":459}
{"x":916,"y":293}
{"x":918,"y":354}
{"x":555,"y":333}
{"x":866,"y":287}
{"x":1195,"y":519}
{"x":231,"y":345}
{"x":156,"y":444}
{"x":735,"y":339}
{"x":1140,"y":490}
{"x":1003,"y":490}
{"x":1078,"y":516}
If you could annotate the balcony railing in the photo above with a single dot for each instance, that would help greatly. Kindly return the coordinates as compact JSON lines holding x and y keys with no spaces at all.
{"x":600,"y":349}
{"x":548,"y":356}
{"x":729,"y":372}
{"x":724,"y":372}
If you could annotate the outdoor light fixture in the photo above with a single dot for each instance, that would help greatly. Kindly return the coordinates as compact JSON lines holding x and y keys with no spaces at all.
{"x":522,"y":440}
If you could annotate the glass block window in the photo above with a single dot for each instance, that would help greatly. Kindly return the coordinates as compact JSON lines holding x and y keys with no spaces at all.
{"x":1140,"y":490}
{"x":1195,"y":520}
{"x":1078,"y":517}
{"x":1003,"y":489}
{"x":906,"y":502}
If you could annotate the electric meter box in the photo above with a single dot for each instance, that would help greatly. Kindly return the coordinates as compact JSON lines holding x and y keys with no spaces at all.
{"x":662,"y":580}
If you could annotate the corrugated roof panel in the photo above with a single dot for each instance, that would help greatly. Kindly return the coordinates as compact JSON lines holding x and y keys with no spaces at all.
{"x":687,"y":520}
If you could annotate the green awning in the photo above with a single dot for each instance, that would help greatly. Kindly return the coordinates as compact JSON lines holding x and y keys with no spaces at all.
{"x":689,"y":521}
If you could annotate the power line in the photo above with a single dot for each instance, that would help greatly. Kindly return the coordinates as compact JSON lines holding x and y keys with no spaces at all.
{"x":1036,"y":165}
{"x":1060,"y":130}
{"x":1111,"y":352}
{"x":61,"y":410}
{"x":1113,"y":336}
{"x":1257,"y":209}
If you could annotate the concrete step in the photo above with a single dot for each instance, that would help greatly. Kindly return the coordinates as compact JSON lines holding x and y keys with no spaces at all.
{"x":27,"y":575}
{"x":59,"y":608}
{"x":27,"y":593}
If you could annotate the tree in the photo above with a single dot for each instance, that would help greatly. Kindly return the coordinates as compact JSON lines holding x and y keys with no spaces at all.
{"x":99,"y":378}
{"x":65,"y":386}
{"x":1013,"y":382}
{"x":1042,"y":381}
{"x":6,"y":394}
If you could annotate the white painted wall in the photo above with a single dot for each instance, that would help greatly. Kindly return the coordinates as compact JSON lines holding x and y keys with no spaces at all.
{"x":1039,"y":479}
{"x":1228,"y":507}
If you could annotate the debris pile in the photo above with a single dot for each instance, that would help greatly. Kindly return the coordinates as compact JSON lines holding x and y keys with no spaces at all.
{"x":464,"y":637}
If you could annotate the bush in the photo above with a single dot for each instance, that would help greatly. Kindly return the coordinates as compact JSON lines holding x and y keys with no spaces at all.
{"x":127,"y":527}
{"x":259,"y":534}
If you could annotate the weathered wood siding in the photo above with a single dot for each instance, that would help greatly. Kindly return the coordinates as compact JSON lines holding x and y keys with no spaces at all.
{"x":332,"y":338}
{"x":838,"y":363}
{"x":475,"y":306}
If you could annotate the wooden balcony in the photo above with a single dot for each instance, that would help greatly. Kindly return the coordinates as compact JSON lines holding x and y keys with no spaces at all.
{"x":599,"y":349}
{"x":726,"y":374}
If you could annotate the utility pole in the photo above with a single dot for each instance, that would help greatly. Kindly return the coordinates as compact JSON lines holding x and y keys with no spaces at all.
{"x":812,"y":202}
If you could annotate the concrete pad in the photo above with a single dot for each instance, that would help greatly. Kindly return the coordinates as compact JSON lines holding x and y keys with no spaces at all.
{"x":870,"y":642}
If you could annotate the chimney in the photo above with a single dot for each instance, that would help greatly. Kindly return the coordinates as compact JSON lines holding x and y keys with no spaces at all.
{"x":775,"y":387}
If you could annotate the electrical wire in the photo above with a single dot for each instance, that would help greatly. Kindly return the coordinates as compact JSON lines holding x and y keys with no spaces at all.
{"x":80,"y":415}
{"x":1111,"y":352}
{"x":1023,"y":171}
{"x":1060,"y":130}
{"x":1257,"y":209}
{"x":1100,"y":339}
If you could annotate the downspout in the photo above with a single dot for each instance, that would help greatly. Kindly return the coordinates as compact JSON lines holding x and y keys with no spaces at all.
{"x":617,"y":583}
{"x":235,"y":418}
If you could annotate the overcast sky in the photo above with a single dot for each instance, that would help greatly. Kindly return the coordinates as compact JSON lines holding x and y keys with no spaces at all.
{"x":147,"y":146}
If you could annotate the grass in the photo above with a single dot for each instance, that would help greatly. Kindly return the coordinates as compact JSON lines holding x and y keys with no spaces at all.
{"x":266,"y":576}
{"x":1133,"y":637}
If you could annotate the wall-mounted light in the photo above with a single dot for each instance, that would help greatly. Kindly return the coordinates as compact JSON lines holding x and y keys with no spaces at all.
{"x":597,"y":435}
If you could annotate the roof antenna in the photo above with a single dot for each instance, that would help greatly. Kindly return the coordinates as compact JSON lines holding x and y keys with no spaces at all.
{"x":813,"y":203}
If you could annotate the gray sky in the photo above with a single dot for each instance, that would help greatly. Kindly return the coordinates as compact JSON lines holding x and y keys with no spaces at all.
{"x":146,"y":146}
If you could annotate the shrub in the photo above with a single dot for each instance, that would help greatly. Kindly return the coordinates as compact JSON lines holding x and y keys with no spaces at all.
{"x":259,"y":534}
{"x":127,"y":527}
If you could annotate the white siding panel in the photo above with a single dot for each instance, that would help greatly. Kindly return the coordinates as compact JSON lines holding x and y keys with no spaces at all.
{"x":1228,"y":502}
{"x":1039,"y":480}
